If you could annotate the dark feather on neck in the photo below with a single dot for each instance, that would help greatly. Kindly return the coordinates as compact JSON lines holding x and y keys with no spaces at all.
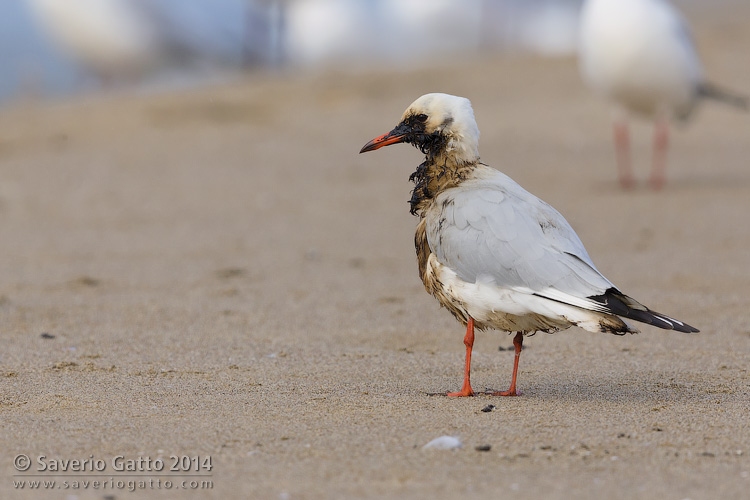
{"x":432,"y":145}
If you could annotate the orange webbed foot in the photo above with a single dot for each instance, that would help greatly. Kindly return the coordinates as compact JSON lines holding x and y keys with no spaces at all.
{"x":505,"y":393}
{"x":463,"y":393}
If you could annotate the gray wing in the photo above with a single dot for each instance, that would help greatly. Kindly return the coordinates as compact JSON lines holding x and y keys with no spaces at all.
{"x":493,"y":230}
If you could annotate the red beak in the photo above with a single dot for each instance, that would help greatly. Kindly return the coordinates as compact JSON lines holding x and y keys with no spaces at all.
{"x":395,"y":136}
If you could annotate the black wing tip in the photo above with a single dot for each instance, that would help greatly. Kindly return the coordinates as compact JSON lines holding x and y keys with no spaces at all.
{"x":716,"y":93}
{"x":685,"y":328}
{"x":677,"y":325}
{"x":618,"y":303}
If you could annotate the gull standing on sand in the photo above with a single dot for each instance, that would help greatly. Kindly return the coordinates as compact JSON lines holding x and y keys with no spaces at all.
{"x":640,"y":55}
{"x":493,"y":254}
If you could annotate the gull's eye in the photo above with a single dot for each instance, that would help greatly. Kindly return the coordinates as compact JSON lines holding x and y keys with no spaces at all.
{"x":421,"y":117}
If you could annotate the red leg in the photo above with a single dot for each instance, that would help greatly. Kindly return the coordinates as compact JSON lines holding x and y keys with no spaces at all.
{"x":469,"y":342}
{"x":622,"y":150}
{"x":518,"y":344}
{"x":661,"y":142}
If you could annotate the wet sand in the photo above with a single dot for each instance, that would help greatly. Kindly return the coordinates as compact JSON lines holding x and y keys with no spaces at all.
{"x":219,"y":273}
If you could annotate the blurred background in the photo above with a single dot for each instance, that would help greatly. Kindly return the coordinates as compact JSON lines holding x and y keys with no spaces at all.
{"x":52,"y":48}
{"x":55,"y":47}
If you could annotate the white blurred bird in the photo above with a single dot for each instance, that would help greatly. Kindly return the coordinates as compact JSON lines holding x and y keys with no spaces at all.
{"x":127,"y":39}
{"x":493,"y":254}
{"x":345,"y":31}
{"x":640,"y":55}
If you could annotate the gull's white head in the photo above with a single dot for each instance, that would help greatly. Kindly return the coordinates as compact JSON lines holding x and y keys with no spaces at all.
{"x":439,"y":125}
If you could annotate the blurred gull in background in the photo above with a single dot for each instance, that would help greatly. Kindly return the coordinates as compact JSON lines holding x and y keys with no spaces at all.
{"x":546,"y":27}
{"x":50,"y":43}
{"x":358,"y":32}
{"x":126,"y":40}
{"x":393,"y":31}
{"x":320,"y":30}
{"x":640,"y":54}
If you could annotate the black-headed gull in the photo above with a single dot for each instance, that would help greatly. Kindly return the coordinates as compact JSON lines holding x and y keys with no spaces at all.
{"x":493,"y":254}
{"x":640,"y":55}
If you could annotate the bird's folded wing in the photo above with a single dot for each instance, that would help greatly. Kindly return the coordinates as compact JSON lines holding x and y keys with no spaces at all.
{"x":497,"y":232}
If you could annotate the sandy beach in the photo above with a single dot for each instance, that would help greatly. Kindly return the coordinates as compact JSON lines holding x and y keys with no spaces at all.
{"x":217,"y":273}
